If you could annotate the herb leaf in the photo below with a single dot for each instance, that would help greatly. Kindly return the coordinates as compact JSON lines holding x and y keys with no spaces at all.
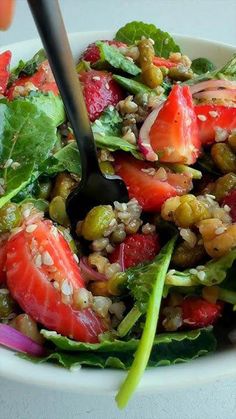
{"x":228,"y":72}
{"x":133,"y":31}
{"x":168,"y":348}
{"x":67,"y":158}
{"x":29,"y":67}
{"x":157,"y":280}
{"x":115,"y":59}
{"x":202,"y":65}
{"x":133,"y":86}
{"x":27,"y":137}
{"x":112,"y":143}
{"x":215,"y":273}
{"x":109,"y":123}
{"x":49,"y":103}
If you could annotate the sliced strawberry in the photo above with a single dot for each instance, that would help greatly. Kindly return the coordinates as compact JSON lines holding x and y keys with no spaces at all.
{"x":163,"y":62}
{"x":150,"y":191}
{"x":100,"y":91}
{"x":5,"y":59}
{"x":230,"y":200}
{"x":174,"y":134}
{"x":197,"y":312}
{"x":42,"y":79}
{"x":43,"y":277}
{"x":3,"y":258}
{"x":211,"y":117}
{"x":92,"y":53}
{"x":137,"y":248}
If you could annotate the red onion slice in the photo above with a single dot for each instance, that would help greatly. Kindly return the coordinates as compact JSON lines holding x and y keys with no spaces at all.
{"x":121,"y":259}
{"x":224,"y":94}
{"x":144,"y":139}
{"x":88,"y":273}
{"x":212,"y":84}
{"x":13,"y":339}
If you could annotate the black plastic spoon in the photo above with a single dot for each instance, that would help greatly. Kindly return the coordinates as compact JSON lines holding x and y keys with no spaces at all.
{"x":94,"y":188}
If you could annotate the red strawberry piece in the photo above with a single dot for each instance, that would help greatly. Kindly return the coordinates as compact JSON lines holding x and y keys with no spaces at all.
{"x":137,"y":248}
{"x":100,"y":91}
{"x":92,"y":53}
{"x":230,"y":200}
{"x":5,"y":59}
{"x":197,"y":312}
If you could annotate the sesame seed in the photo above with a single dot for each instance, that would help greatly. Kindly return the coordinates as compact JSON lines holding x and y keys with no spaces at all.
{"x":107,"y":86}
{"x":30,"y":228}
{"x":76,"y":258}
{"x":47,"y":259}
{"x":56,"y":285}
{"x":210,"y":196}
{"x":220,"y":134}
{"x":220,"y":230}
{"x":8,"y":163}
{"x":213,"y":114}
{"x":226,"y":208}
{"x":113,"y":221}
{"x":193,"y":271}
{"x":4,"y":291}
{"x":66,"y":288}
{"x":130,"y":59}
{"x":152,"y":41}
{"x":15,"y":165}
{"x":38,"y":260}
{"x":26,"y":212}
{"x":54,"y":231}
{"x":200,"y":267}
{"x":201,"y":275}
{"x":96,"y":78}
{"x":202,"y":118}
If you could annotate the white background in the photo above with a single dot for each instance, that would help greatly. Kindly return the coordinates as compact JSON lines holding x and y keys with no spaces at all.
{"x":212,"y":19}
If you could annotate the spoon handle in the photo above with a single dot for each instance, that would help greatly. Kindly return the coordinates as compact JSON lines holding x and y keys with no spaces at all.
{"x":49,"y":22}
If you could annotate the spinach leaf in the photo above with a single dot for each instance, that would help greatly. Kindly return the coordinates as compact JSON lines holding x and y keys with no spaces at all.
{"x":29,"y":67}
{"x":49,"y":103}
{"x":133,"y":31}
{"x":67,"y":158}
{"x":202,"y":65}
{"x":27,"y":136}
{"x":168,"y":348}
{"x":133,"y":86}
{"x":228,"y":72}
{"x":215,"y":272}
{"x":112,"y":143}
{"x":115,"y":59}
{"x":109,"y":123}
{"x":150,"y":283}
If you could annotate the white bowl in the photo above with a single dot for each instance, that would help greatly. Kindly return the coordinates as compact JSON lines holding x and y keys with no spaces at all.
{"x":91,"y":380}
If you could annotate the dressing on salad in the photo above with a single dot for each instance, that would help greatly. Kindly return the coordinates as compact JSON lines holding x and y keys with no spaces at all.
{"x":144,"y":283}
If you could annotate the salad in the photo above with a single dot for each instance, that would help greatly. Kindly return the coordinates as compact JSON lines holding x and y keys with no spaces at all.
{"x":142,"y":283}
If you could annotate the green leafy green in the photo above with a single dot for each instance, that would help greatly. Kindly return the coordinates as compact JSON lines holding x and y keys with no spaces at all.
{"x":112,"y":56}
{"x":202,"y":65}
{"x":146,"y":289}
{"x":133,"y":86}
{"x":67,"y":158}
{"x":133,"y":31}
{"x":168,"y":348}
{"x":215,"y":272}
{"x":112,"y":143}
{"x":228,"y":72}
{"x":27,"y":136}
{"x":109,"y":123}
{"x":49,"y":103}
{"x":29,"y":67}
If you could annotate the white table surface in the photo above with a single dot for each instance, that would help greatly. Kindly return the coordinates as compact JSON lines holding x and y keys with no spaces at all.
{"x":212,"y":19}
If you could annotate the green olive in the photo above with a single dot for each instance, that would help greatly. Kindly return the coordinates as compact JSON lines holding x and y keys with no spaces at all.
{"x":107,"y":168}
{"x":6,"y":304}
{"x":224,"y":185}
{"x":57,"y":211}
{"x":223,"y":157}
{"x":63,"y":185}
{"x":180,"y":73}
{"x":97,"y":222}
{"x":44,"y":189}
{"x":10,"y":217}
